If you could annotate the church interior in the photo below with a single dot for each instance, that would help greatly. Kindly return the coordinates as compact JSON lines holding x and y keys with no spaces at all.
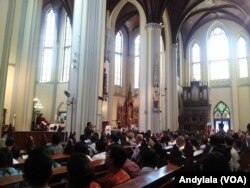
{"x":142,"y":67}
{"x":129,"y":63}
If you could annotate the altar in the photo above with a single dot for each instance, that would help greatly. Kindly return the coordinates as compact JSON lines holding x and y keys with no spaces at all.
{"x":128,"y":114}
{"x":56,"y":126}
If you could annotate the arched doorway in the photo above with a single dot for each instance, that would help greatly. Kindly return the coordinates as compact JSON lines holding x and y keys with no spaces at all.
{"x":221,"y":114}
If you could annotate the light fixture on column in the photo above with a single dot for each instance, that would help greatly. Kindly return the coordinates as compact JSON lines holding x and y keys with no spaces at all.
{"x":67,"y":93}
{"x":37,"y":107}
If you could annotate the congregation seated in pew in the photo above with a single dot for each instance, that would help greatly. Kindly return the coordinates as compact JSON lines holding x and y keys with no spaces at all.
{"x":184,"y":153}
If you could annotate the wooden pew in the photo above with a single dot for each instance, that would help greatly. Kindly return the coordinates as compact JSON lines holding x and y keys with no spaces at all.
{"x":9,"y":180}
{"x":157,"y":178}
{"x":21,"y":137}
{"x":58,"y":174}
{"x":56,"y":157}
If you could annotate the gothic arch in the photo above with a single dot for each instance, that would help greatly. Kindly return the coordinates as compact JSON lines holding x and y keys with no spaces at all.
{"x":217,"y":24}
{"x":221,"y":114}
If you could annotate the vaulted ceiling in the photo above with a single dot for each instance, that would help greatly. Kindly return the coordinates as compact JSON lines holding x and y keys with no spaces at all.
{"x":185,"y":16}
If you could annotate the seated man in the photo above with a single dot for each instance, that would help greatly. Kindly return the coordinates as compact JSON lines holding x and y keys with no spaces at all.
{"x":37,"y":168}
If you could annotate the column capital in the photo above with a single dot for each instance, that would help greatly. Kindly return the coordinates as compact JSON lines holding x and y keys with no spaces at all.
{"x":154,"y":26}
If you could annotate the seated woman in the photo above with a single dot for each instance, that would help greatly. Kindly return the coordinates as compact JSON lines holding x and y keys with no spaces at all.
{"x":6,"y":163}
{"x":115,"y":160}
{"x":80,"y":172}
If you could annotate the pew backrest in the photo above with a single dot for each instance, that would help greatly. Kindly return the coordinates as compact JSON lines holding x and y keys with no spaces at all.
{"x":155,"y":178}
{"x":58,"y":174}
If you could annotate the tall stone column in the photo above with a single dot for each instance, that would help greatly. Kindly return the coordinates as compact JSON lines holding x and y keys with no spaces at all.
{"x":172,"y":95}
{"x":21,"y":49}
{"x":26,"y":62}
{"x":86,"y":74}
{"x":235,"y":101}
{"x":6,"y":21}
{"x":150,"y":80}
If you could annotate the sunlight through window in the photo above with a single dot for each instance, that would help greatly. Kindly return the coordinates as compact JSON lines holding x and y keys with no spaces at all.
{"x":46,"y":67}
{"x":137,"y":62}
{"x":196,"y":61}
{"x":218,"y":54}
{"x":118,"y":59}
{"x":242,"y":58}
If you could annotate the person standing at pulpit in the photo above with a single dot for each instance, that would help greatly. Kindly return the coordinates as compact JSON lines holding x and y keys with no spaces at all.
{"x":42,"y":122}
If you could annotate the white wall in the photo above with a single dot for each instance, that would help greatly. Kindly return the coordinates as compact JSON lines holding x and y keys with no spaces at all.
{"x":244,"y":106}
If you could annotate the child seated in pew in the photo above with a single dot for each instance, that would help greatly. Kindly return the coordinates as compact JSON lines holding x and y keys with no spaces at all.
{"x":81,"y":172}
{"x":37,"y":168}
{"x":6,"y":163}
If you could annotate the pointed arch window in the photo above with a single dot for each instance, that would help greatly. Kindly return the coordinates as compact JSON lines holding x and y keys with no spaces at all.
{"x":48,"y":45}
{"x":196,"y":62}
{"x":218,"y":54}
{"x":66,"y":51}
{"x":137,"y":62}
{"x":242,"y":57}
{"x":221,"y":114}
{"x":118,"y":58}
